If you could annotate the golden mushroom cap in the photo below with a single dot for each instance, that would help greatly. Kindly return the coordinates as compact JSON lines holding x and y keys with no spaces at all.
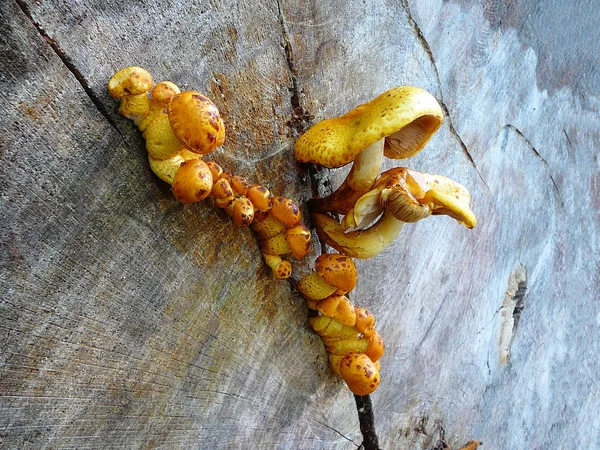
{"x":196,"y":122}
{"x":406,"y":116}
{"x":360,"y":373}
{"x":337,"y":270}
{"x":193,"y":181}
{"x":298,"y":239}
{"x":286,"y":211}
{"x":164,"y":91}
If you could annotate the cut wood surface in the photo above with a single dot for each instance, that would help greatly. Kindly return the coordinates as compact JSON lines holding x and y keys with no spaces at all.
{"x":129,"y":320}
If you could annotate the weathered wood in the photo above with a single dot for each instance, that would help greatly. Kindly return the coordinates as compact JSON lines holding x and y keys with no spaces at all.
{"x":129,"y":320}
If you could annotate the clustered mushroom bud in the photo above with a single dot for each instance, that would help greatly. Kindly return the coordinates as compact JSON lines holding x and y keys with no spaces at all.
{"x":180,"y":128}
{"x":397,"y":124}
{"x":348,"y":332}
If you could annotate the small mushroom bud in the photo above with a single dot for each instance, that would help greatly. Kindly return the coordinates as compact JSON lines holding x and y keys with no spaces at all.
{"x":376,"y":347}
{"x":239,"y":185}
{"x":365,"y":322}
{"x":360,"y":373}
{"x":298,"y":239}
{"x":193,"y":181}
{"x":131,"y":85}
{"x":241,"y":211}
{"x":222,"y":189}
{"x":260,"y":197}
{"x":280,"y":269}
{"x":162,"y":94}
{"x":215,"y":169}
{"x":286,"y":211}
{"x":337,"y":270}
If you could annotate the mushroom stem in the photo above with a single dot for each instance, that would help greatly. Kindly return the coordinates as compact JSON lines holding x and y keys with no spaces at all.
{"x":360,"y":179}
{"x":360,"y":244}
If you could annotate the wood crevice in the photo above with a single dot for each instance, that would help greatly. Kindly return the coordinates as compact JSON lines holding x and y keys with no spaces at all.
{"x":70,"y":65}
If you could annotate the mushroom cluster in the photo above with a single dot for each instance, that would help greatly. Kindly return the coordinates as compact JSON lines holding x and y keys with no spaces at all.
{"x":397,"y":124}
{"x":348,"y":331}
{"x":180,"y":128}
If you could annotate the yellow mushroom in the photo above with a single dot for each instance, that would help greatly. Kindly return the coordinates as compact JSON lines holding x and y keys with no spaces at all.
{"x":399,"y":196}
{"x":193,"y":181}
{"x":333,"y":274}
{"x":131,"y":85}
{"x":396,"y":124}
{"x":360,"y":373}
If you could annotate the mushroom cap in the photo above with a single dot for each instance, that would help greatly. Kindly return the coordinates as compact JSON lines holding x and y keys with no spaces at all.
{"x":407,"y":116}
{"x":164,"y":91}
{"x":298,"y":239}
{"x":286,"y":211}
{"x":360,"y":373}
{"x":193,"y":181}
{"x":129,"y":81}
{"x":337,"y":270}
{"x":260,"y":197}
{"x":196,"y":122}
{"x":241,"y":211}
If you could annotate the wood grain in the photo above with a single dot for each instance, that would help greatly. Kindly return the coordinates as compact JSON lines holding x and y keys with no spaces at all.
{"x":131,"y":321}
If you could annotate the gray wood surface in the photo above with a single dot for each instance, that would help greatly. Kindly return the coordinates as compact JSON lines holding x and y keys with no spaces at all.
{"x":128,"y":320}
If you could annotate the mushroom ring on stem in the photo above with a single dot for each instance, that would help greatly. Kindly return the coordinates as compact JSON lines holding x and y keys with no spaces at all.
{"x":400,"y":195}
{"x":396,"y":124}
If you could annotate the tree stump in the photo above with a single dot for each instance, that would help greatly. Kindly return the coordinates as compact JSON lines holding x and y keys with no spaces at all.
{"x":131,"y":320}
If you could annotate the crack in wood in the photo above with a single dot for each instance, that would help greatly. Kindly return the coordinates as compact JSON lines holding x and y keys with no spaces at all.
{"x":70,"y":65}
{"x":301,"y":118}
{"x":541,"y":158}
{"x":425,"y":44}
{"x":337,"y":432}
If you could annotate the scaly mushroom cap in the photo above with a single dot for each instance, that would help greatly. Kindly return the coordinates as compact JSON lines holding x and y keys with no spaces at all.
{"x":406,"y":116}
{"x":241,"y":211}
{"x":196,"y":122}
{"x":129,"y":81}
{"x":360,"y":373}
{"x":286,"y":211}
{"x":193,"y":181}
{"x":337,"y":270}
{"x":215,"y":169}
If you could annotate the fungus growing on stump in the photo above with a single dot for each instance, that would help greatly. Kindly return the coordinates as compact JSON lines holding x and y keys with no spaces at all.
{"x":397,"y":124}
